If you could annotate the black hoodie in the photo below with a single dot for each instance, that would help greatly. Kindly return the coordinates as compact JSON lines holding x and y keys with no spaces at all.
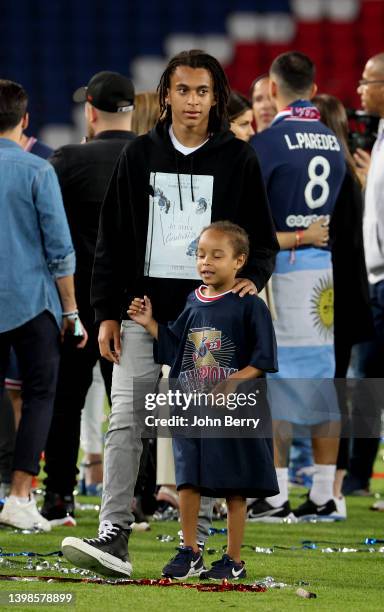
{"x":124,"y":239}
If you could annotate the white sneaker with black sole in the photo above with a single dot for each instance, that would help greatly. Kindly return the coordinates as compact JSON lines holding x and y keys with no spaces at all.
{"x":106,"y":555}
{"x":261,"y":511}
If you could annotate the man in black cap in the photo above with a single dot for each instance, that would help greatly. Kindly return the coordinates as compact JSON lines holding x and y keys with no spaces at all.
{"x":83,"y":171}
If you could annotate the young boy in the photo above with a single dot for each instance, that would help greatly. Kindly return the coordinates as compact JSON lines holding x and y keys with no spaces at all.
{"x":233,"y":335}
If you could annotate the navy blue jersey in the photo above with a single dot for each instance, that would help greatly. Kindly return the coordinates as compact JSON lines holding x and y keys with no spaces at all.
{"x":303,"y":166}
{"x":215,"y":337}
{"x":211,"y":339}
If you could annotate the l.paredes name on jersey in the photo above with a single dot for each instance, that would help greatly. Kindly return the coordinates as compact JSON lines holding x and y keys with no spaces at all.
{"x":308,"y":140}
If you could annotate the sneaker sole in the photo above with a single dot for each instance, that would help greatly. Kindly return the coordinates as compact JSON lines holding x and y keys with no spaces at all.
{"x":191,"y":574}
{"x":224,"y":578}
{"x":35,"y":527}
{"x":67,"y":521}
{"x":88,"y":557}
{"x":290,"y":518}
{"x":330,"y":518}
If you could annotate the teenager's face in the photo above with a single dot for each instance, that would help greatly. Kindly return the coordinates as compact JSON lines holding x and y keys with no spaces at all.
{"x":217,"y":263}
{"x":263,"y":108}
{"x":191,"y":97}
{"x":242,"y":126}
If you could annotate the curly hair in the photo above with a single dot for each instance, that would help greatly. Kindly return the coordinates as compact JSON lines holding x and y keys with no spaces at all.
{"x":238,"y":237}
{"x":195,"y":58}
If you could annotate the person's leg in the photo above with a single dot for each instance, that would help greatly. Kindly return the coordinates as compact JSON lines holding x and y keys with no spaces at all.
{"x":7,"y":444}
{"x":276,"y":508}
{"x":282,"y":437}
{"x":91,"y":434}
{"x":135,"y":376}
{"x":189,"y":499}
{"x":62,"y":448}
{"x":320,"y":503}
{"x":370,"y":364}
{"x":237,"y":509}
{"x":13,"y":384}
{"x":230,"y":566}
{"x":36,"y":345}
{"x":188,"y":561}
{"x":204,"y":519}
{"x":7,"y":424}
{"x":123,"y":444}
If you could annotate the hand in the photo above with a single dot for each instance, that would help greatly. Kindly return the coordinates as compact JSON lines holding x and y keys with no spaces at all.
{"x":225,"y":387}
{"x":140,"y":311}
{"x":244,"y":286}
{"x":109,"y":340}
{"x":68,"y":327}
{"x":363,"y":161}
{"x":317,"y":233}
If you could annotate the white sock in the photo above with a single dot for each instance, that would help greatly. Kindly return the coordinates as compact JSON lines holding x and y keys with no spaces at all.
{"x":322,"y":484}
{"x":19,"y":500}
{"x":282,"y":478}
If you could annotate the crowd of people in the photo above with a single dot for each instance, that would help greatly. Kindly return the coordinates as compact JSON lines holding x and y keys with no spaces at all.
{"x":103,"y":243}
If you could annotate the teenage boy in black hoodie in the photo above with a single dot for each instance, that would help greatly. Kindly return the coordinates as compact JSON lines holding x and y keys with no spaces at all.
{"x":168,"y":185}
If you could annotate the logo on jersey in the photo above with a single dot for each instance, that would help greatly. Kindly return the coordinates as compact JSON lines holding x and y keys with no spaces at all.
{"x":207,"y":355}
{"x":305,"y":220}
{"x":322,"y":307}
{"x":206,"y":342}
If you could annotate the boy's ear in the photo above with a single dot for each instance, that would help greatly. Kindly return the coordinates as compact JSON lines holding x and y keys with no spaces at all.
{"x":241,"y":260}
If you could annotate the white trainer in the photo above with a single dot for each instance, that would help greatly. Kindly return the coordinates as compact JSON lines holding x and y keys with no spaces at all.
{"x":23,"y":515}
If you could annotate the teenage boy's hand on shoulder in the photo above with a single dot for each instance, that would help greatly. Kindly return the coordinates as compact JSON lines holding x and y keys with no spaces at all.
{"x":109,"y":340}
{"x":243,"y":286}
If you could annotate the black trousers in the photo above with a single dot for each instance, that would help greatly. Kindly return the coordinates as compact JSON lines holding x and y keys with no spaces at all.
{"x":37,"y":347}
{"x":370,"y":365}
{"x":74,"y":380}
{"x":7,"y":438}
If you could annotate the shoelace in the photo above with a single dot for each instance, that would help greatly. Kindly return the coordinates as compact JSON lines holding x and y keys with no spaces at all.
{"x":105,"y":534}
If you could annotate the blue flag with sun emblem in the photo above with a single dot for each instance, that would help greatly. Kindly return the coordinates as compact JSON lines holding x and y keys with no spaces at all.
{"x":303,"y":296}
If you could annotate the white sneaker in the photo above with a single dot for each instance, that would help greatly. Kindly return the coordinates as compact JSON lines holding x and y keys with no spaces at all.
{"x":341,"y":507}
{"x":378,"y":506}
{"x":23,"y":515}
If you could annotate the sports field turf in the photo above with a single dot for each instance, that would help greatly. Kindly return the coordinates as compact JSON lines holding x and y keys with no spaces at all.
{"x":342,"y":581}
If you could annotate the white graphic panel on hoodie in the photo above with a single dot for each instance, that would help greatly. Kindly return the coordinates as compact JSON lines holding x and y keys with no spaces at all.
{"x":179,"y":209}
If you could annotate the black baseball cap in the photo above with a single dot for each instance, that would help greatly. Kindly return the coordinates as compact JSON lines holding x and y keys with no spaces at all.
{"x":108,"y":91}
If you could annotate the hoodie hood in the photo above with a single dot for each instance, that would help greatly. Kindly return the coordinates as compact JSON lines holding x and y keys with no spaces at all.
{"x":160,"y":136}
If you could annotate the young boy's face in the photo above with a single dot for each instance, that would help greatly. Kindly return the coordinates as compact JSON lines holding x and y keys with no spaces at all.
{"x":191,"y":97}
{"x":217,"y":263}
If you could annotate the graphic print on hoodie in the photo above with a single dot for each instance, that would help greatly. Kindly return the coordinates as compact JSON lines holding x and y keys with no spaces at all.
{"x":178,"y":211}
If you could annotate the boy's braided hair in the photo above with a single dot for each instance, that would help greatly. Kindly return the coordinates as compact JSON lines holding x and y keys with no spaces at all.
{"x":195,"y":58}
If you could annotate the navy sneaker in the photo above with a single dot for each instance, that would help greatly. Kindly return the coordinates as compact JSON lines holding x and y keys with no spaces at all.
{"x":309,"y":511}
{"x":225,"y":568}
{"x":185,"y":564}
